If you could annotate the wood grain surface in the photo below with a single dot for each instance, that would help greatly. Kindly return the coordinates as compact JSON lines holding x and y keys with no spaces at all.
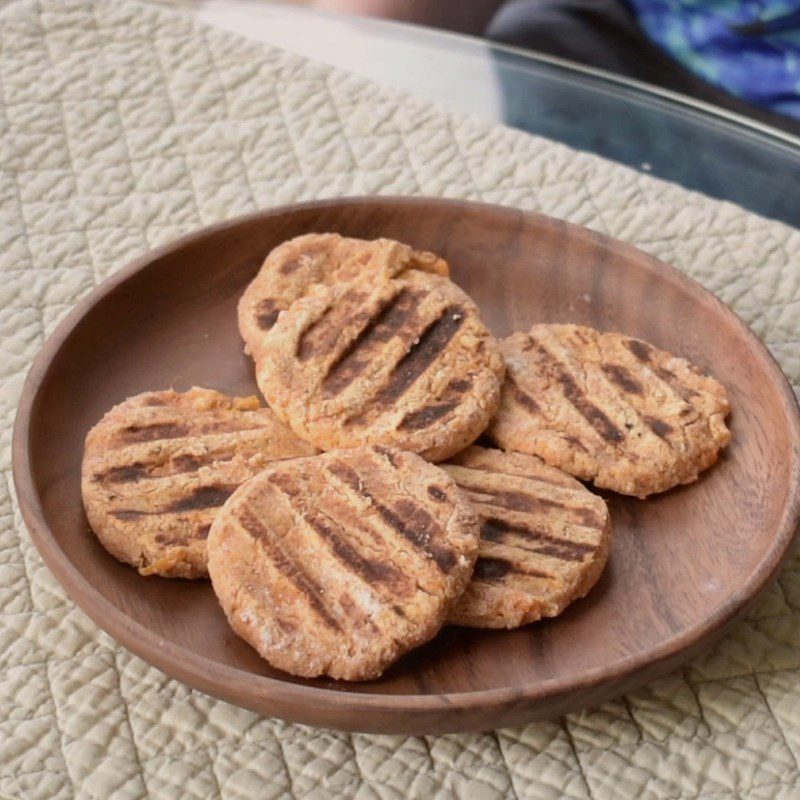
{"x":684,"y":564}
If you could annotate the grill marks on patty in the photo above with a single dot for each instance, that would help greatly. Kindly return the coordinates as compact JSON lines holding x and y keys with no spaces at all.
{"x":534,"y":516}
{"x":542,"y":535}
{"x":266,"y":313}
{"x":159,"y":431}
{"x":489,"y":570}
{"x":577,"y":397}
{"x":348,"y":549}
{"x":334,"y":532}
{"x":615,"y":387}
{"x":173,"y":474}
{"x":608,"y":408}
{"x":425,"y":350}
{"x":394,"y":318}
{"x":403,"y":362}
{"x":156,"y":473}
{"x":395,"y":328}
{"x":294,"y":267}
{"x":406,"y":516}
{"x":494,"y":529}
{"x":321,"y":337}
{"x":289,"y":567}
{"x":534,"y":502}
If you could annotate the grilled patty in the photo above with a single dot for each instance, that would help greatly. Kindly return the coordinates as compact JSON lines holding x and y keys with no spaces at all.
{"x":157,"y":468}
{"x":326,"y":258}
{"x":338,"y":564}
{"x":608,"y":408}
{"x":407,"y":363}
{"x":544,"y":538}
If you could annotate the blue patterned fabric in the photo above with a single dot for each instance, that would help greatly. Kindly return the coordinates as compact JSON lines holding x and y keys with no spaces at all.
{"x":750,"y":48}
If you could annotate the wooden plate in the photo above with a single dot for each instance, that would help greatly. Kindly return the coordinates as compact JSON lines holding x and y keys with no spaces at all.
{"x":684,"y":564}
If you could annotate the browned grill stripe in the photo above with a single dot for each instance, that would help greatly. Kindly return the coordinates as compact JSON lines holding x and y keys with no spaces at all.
{"x":179,"y":465}
{"x":671,"y":379}
{"x":588,"y":410}
{"x":289,"y":568}
{"x":578,"y":399}
{"x":290,"y":266}
{"x":640,"y":350}
{"x":425,"y":417}
{"x":495,"y":530}
{"x":389,"y":454}
{"x":348,"y":476}
{"x":178,"y":540}
{"x":361,"y":619}
{"x":419,"y":527}
{"x":319,"y":338}
{"x":513,"y":501}
{"x":408,"y":518}
{"x":266,"y":313}
{"x":580,"y":336}
{"x":332,"y":533}
{"x":526,"y":503}
{"x":322,"y":336}
{"x":371,"y":570}
{"x":171,"y":541}
{"x":130,"y":473}
{"x":644,"y":352}
{"x":493,"y":470}
{"x":154,"y":431}
{"x":389,"y":320}
{"x":494,"y":569}
{"x":623,"y":378}
{"x":130,"y":514}
{"x":575,"y":442}
{"x":437,"y":494}
{"x":522,"y":397}
{"x":136,"y":434}
{"x":200,"y":498}
{"x":429,"y":346}
{"x":658,"y":426}
{"x":187,"y":463}
{"x":491,"y":569}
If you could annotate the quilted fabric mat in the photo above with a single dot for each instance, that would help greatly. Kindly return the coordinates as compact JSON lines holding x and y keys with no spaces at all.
{"x":124,"y":126}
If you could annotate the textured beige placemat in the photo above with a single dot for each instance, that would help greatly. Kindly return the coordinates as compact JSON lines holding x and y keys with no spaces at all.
{"x":122,"y":127}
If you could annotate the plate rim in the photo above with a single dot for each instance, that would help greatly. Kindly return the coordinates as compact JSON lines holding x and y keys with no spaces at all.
{"x":209,"y":676}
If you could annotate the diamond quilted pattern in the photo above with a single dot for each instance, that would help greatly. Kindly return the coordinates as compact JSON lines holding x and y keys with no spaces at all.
{"x":29,"y":737}
{"x":97,"y":741}
{"x":253,"y":770}
{"x":396,"y":767}
{"x":125,"y":126}
{"x":667,"y":707}
{"x":543,"y":762}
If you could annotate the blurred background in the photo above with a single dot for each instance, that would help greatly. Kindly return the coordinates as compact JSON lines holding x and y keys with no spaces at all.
{"x":740,"y":55}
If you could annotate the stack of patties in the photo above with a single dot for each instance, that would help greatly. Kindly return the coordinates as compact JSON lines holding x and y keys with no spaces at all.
{"x":336,"y":563}
{"x":374,"y":345}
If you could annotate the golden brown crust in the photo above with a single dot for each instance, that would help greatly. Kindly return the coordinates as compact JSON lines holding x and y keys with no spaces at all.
{"x":545,"y":538}
{"x":320,"y":258}
{"x":158,"y":466}
{"x":338,"y":564}
{"x":407,"y":363}
{"x":608,"y":408}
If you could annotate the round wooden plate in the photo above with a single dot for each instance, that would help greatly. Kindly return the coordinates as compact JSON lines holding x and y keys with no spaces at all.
{"x":684,"y":563}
